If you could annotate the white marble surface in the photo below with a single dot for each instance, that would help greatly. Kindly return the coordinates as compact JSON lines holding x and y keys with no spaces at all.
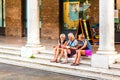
{"x":106,"y":28}
{"x":33,"y":37}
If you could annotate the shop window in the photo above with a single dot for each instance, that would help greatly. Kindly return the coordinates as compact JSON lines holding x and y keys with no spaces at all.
{"x":73,"y":11}
{"x":76,"y":16}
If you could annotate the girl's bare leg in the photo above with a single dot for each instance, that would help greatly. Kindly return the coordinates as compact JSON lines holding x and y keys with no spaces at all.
{"x":56,"y":52}
{"x":66,"y":55}
{"x":76,"y":56}
{"x":55,"y":49}
{"x":81,"y":52}
{"x":61,"y":55}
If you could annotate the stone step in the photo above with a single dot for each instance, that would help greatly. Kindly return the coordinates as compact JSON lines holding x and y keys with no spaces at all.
{"x":118,"y":60}
{"x":49,"y":57}
{"x":115,"y":66}
{"x":9,"y":47}
{"x":44,"y":55}
{"x":13,"y":50}
{"x":51,"y":53}
{"x":81,"y":70}
{"x":10,"y":50}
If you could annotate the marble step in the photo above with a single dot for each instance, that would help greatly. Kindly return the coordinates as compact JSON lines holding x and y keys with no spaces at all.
{"x":81,"y":70}
{"x":10,"y":50}
{"x":49,"y":57}
{"x":115,"y":66}
{"x":118,"y":60}
{"x":13,"y":50}
{"x":51,"y":53}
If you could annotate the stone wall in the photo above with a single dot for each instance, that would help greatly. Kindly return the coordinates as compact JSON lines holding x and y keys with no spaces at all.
{"x":50,"y":19}
{"x":13,"y":18}
{"x":94,"y":12}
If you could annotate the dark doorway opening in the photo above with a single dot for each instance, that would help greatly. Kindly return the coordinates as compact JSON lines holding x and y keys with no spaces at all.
{"x":63,"y":24}
{"x":2,"y":17}
{"x":24,"y":18}
{"x":117,"y":24}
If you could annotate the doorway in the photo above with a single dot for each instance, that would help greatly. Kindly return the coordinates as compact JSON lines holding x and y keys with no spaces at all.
{"x":75,"y":17}
{"x":24,"y":17}
{"x":70,"y":16}
{"x":117,"y":21}
{"x":2,"y":17}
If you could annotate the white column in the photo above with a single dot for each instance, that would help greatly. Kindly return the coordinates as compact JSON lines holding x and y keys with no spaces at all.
{"x":33,"y":38}
{"x":33,"y":23}
{"x":106,"y":25}
{"x":106,"y":52}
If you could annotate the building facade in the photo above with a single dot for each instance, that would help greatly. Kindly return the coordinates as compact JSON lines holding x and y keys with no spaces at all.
{"x":45,"y":17}
{"x":54,"y":17}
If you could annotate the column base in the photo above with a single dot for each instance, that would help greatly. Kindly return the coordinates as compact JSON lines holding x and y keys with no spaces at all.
{"x":29,"y":51}
{"x":103,"y":60}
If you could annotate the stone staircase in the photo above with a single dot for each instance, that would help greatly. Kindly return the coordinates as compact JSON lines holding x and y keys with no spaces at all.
{"x":11,"y":55}
{"x":10,"y":50}
{"x":116,"y":65}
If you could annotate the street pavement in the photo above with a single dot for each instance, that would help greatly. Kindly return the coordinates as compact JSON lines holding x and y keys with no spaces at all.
{"x":10,"y":72}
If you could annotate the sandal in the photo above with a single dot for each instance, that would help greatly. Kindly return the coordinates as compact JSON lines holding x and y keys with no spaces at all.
{"x":72,"y":64}
{"x":53,"y":60}
{"x":58,"y":61}
{"x":78,"y":64}
{"x":75,"y":64}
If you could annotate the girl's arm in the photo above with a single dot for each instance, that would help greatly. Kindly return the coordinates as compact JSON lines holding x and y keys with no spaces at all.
{"x":84,"y":46}
{"x":66,"y":43}
{"x":58,"y":42}
{"x":74,"y":47}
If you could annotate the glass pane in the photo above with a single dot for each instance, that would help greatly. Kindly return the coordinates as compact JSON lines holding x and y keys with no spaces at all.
{"x":4,"y":13}
{"x":0,"y":13}
{"x":40,"y":4}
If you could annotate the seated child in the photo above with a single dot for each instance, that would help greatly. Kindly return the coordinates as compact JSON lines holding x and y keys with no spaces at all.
{"x":59,"y":49}
{"x":84,"y":50}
